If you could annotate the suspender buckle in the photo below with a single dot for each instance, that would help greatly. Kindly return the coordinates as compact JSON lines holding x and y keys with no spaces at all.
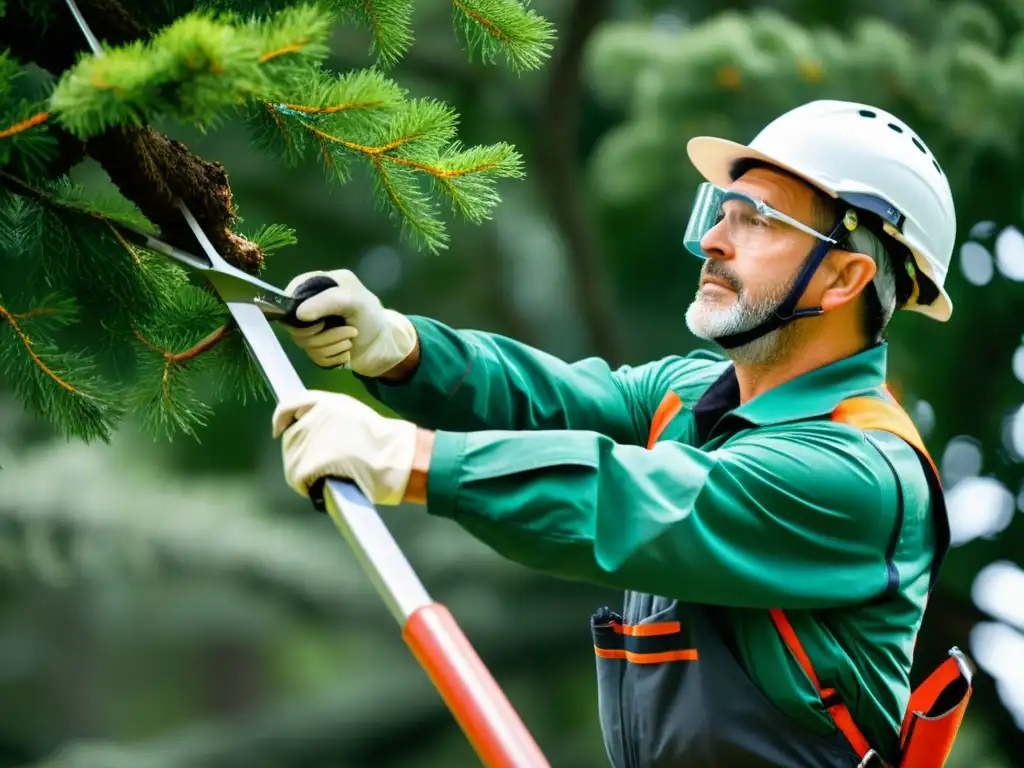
{"x":872,"y":760}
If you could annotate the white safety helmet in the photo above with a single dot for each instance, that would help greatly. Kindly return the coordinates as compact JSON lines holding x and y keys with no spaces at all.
{"x":868,"y":158}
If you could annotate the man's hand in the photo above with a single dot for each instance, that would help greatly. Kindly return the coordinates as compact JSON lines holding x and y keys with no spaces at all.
{"x":334,"y":435}
{"x":373,"y":341}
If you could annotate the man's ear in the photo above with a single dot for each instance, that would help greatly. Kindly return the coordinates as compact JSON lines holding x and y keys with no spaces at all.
{"x":851,"y":273}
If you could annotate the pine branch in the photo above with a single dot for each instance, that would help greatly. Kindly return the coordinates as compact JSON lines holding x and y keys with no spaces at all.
{"x":22,"y":125}
{"x":265,"y":60}
{"x":355,"y":103}
{"x":504,"y":27}
{"x":204,"y":63}
{"x":36,"y":240}
{"x":171,"y":403}
{"x":21,"y":148}
{"x":192,"y":70}
{"x":147,"y":167}
{"x":131,"y":298}
{"x":60,"y":386}
{"x":190,"y":347}
{"x":390,"y":22}
{"x":404,"y":143}
{"x":51,"y":152}
{"x":489,"y":27}
{"x":361,"y":113}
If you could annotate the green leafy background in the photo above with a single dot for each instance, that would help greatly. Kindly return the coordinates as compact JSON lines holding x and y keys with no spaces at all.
{"x":168,"y":601}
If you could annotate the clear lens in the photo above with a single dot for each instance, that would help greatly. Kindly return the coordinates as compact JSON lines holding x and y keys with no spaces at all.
{"x":747,"y":225}
{"x":707,"y":207}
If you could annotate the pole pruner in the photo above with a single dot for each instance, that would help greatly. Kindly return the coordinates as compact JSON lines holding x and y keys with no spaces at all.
{"x":480,"y":707}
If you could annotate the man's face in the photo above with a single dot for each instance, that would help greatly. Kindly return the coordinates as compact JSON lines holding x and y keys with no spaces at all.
{"x":752,"y":264}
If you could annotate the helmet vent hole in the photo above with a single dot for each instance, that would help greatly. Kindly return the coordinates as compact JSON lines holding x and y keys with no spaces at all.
{"x":866,"y":113}
{"x":895,"y":127}
{"x":937,"y":168}
{"x":918,"y":144}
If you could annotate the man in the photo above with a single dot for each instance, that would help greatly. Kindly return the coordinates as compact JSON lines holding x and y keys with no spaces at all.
{"x":773,"y":517}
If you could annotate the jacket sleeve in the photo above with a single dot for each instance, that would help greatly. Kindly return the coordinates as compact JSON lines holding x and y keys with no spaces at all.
{"x":794,"y":518}
{"x":472,"y":380}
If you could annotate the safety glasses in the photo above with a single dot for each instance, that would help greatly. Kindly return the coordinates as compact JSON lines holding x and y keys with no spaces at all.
{"x":749,"y":222}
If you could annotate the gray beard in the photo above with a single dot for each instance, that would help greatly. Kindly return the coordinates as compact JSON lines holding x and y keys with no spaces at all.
{"x":707,"y":320}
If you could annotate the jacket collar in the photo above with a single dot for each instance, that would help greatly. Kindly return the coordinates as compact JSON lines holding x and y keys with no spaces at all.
{"x":815,"y":393}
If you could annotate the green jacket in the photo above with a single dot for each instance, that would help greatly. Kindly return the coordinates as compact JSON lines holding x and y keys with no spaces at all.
{"x":546,"y":462}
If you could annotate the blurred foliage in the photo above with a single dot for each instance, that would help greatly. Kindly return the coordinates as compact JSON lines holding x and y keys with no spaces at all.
{"x":175,"y":604}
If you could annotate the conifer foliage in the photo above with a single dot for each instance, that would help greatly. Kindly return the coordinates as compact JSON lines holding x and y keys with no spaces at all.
{"x":92,"y":326}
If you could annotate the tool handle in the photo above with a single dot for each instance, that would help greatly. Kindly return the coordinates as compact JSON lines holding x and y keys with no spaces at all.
{"x":487,"y":718}
{"x":308,"y":289}
{"x":471,"y":694}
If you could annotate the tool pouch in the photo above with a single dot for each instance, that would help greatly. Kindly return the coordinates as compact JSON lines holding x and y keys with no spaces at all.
{"x":934,"y":714}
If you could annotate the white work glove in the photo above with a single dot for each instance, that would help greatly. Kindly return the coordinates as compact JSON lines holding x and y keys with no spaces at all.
{"x":373,"y":340}
{"x":333,"y":435}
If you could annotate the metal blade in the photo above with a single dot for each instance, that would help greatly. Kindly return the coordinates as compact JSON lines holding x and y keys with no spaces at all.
{"x":266,"y":350}
{"x":216,"y":261}
{"x":377,"y":552}
{"x":176,"y":254}
{"x":233,"y":284}
{"x":89,"y":36}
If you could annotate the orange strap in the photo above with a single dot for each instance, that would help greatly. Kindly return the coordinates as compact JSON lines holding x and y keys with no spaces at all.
{"x":866,"y":413}
{"x":870,"y":413}
{"x":838,"y":711}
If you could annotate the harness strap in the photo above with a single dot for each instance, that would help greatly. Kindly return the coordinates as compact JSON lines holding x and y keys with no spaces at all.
{"x":835,"y":706}
{"x":870,"y":413}
{"x":867,"y":414}
{"x":937,"y":706}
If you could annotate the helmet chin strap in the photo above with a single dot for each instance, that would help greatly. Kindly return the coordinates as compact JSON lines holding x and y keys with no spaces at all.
{"x":786,"y":312}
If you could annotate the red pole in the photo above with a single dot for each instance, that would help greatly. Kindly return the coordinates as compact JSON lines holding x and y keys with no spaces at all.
{"x":485,"y":715}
